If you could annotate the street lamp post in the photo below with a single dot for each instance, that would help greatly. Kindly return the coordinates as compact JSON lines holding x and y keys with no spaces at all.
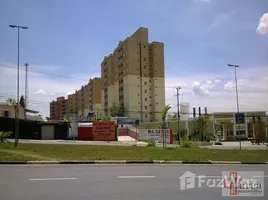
{"x":178,"y":113}
{"x":18,"y":84}
{"x":237,"y":99}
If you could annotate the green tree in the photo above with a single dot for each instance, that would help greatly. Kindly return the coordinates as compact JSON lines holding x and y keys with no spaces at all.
{"x":117,"y":111}
{"x":163,"y":116}
{"x":201,"y":127}
{"x":172,"y":116}
{"x":106,"y":118}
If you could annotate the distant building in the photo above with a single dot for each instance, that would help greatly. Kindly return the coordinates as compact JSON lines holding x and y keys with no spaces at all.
{"x":58,"y":108}
{"x":133,"y":76}
{"x":81,"y":103}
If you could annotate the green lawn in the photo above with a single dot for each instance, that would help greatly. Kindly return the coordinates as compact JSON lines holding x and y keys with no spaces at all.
{"x":27,"y":152}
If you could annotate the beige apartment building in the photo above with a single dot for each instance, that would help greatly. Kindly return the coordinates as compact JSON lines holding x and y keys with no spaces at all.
{"x":133,"y":75}
{"x":83,"y":101}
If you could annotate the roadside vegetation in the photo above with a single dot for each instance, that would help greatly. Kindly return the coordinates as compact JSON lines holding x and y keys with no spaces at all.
{"x":31,"y":152}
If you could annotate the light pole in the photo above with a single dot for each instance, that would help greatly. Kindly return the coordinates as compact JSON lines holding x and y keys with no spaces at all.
{"x":237,"y":99}
{"x":178,"y":112}
{"x":18,"y":84}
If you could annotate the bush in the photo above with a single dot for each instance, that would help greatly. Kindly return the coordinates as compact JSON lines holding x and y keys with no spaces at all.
{"x":151,"y":143}
{"x":186,"y":144}
{"x":209,"y":137}
{"x":4,"y":135}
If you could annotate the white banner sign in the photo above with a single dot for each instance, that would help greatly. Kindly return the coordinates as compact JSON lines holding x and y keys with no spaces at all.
{"x":156,"y":134}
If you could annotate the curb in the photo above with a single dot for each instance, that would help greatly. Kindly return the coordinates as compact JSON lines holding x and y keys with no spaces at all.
{"x":110,"y":161}
{"x":126,"y":162}
{"x":228,"y":162}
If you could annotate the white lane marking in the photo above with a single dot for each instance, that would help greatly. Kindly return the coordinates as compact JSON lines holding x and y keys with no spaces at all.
{"x":136,"y":177}
{"x":50,"y":179}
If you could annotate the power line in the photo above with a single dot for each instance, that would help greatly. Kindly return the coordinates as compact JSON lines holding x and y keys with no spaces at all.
{"x":76,"y":78}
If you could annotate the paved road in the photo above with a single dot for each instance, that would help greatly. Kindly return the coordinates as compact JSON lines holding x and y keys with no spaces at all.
{"x":235,"y":145}
{"x":111,"y":182}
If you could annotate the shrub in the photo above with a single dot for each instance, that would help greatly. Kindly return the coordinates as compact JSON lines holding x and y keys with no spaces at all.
{"x":151,"y":143}
{"x":186,"y":144}
{"x":209,"y":137}
{"x":4,"y":135}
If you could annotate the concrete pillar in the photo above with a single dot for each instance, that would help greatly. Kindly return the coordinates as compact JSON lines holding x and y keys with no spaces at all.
{"x":187,"y":127}
{"x":266,"y":132}
{"x":213,"y":122}
{"x":246,"y":125}
{"x":234,"y":124}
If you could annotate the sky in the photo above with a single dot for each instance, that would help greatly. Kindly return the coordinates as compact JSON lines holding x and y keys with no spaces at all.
{"x":68,"y":39}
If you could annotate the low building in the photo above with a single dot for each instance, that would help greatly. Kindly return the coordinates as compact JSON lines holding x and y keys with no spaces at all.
{"x":10,"y":111}
{"x":223,"y":124}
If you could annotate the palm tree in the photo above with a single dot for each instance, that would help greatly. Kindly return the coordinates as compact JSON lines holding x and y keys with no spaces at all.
{"x":163,"y":116}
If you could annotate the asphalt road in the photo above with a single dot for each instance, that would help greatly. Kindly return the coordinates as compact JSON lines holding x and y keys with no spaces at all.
{"x":111,"y":182}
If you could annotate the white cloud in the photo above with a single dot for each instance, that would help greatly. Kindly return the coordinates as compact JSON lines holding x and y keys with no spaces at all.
{"x":68,"y":93}
{"x":219,"y":96}
{"x":263,"y":25}
{"x":41,"y":91}
{"x":52,"y":86}
{"x":199,"y":89}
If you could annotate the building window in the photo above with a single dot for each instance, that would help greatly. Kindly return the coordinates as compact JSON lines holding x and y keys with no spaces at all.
{"x":144,"y":66}
{"x":150,"y":97}
{"x":145,"y":107}
{"x":6,"y":113}
{"x":146,"y":115}
{"x":145,"y":91}
{"x":156,"y":95}
{"x":144,"y":59}
{"x":145,"y":99}
{"x":144,"y":46}
{"x":145,"y":83}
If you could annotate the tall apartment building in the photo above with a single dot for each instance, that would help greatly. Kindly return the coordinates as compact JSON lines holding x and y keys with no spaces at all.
{"x":87,"y":99}
{"x":58,"y":108}
{"x":133,"y":75}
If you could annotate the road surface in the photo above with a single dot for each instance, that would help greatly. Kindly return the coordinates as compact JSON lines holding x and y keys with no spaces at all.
{"x":111,"y":182}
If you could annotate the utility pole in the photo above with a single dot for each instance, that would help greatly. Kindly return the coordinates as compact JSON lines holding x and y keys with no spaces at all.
{"x":237,"y":101}
{"x":178,"y":112}
{"x":26,"y":85}
{"x":17,"y":113}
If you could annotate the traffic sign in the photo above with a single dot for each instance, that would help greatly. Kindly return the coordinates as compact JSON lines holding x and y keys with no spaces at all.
{"x":239,"y":118}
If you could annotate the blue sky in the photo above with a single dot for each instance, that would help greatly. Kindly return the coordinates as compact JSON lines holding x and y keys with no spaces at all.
{"x":71,"y":38}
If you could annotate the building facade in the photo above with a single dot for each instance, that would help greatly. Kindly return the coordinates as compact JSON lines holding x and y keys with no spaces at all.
{"x":10,"y":111}
{"x":80,"y":103}
{"x":225,"y":120}
{"x":58,"y":108}
{"x":133,"y":76}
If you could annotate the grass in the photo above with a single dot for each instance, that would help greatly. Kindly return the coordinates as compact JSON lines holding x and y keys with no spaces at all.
{"x":31,"y":152}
